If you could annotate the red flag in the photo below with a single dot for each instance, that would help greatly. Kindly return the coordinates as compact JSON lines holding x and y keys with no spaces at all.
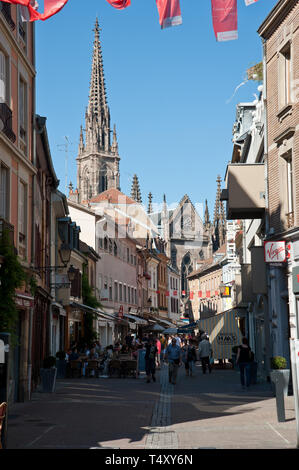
{"x":225,"y":19}
{"x":200,"y":293}
{"x":119,"y":4}
{"x":51,"y":7}
{"x":169,"y":13}
{"x":208,"y":293}
{"x":191,"y":295}
{"x":167,"y":293}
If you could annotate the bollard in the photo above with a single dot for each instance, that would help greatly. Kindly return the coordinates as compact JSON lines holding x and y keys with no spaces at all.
{"x":281,"y":379}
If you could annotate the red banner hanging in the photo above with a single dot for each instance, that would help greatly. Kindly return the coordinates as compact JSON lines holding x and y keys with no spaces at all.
{"x":51,"y":7}
{"x":225,"y":19}
{"x":119,"y":4}
{"x":169,"y":13}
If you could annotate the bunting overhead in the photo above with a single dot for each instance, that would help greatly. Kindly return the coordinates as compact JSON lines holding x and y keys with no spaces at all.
{"x":225,"y":19}
{"x":250,"y":2}
{"x":169,"y":13}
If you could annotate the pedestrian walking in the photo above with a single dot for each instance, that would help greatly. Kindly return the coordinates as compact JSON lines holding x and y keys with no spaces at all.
{"x":205,"y":353}
{"x":173,"y":357}
{"x":150,"y":359}
{"x":244,"y":358}
{"x":159,"y":346}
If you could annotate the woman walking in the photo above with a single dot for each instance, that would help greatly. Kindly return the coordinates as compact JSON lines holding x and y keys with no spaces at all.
{"x":244,"y":357}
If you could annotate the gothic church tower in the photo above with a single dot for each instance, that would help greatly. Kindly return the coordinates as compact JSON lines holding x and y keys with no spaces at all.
{"x":98,"y":159}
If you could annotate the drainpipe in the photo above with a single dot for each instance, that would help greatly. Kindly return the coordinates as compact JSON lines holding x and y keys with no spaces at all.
{"x":267,"y":299}
{"x":31,"y":311}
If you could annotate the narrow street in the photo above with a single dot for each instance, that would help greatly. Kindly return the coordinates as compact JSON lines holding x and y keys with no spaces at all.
{"x":200,"y":412}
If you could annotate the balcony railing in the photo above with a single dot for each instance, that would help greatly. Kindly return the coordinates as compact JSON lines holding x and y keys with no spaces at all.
{"x":290,"y":219}
{"x":5,"y":9}
{"x":6,"y":118}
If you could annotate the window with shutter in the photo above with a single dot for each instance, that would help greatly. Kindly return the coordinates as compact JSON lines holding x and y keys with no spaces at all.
{"x":3,"y":78}
{"x":4,"y":193}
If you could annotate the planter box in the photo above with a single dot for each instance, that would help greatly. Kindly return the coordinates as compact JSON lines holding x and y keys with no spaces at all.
{"x":48,"y":378}
{"x":280,"y":378}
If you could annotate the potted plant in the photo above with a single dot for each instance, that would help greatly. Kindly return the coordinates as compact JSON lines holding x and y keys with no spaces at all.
{"x":280,"y":378}
{"x":61,"y":364}
{"x":279,"y":374}
{"x":48,"y":374}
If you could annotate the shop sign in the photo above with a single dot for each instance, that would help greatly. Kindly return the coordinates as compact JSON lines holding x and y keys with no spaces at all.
{"x":121,"y":312}
{"x":295,"y":275}
{"x":275,"y":252}
{"x":226,"y":338}
{"x":225,"y":291}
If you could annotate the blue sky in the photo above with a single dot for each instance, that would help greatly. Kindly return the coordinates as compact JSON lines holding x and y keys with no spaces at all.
{"x":168,"y":90}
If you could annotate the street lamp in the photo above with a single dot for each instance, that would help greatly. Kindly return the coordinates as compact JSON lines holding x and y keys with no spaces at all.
{"x":65,"y":253}
{"x":71,"y":273}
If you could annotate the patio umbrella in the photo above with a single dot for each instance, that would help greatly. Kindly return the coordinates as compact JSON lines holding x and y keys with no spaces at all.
{"x":170,"y":331}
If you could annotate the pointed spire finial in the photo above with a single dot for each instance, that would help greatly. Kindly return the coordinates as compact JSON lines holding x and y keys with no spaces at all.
{"x":150,"y":200}
{"x":135,"y":190}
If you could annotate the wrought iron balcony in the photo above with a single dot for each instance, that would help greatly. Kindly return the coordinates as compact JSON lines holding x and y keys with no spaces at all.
{"x":6,"y":124}
{"x":5,"y":9}
{"x":9,"y":228}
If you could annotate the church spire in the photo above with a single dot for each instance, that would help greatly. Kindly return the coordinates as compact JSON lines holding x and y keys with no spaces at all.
{"x":114,"y":146}
{"x":207,"y":215}
{"x":135,"y":190}
{"x":81,"y":141}
{"x":98,"y":114}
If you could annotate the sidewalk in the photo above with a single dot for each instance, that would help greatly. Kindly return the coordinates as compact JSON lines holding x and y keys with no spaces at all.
{"x":204,"y":411}
{"x":212,"y":411}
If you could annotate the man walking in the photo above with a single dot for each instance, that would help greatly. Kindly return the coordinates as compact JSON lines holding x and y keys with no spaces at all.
{"x":173,"y":357}
{"x":204,"y":353}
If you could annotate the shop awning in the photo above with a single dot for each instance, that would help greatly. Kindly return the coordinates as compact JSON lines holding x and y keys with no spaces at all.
{"x":62,"y":311}
{"x":138,"y":320}
{"x":165,"y":322}
{"x":223,"y":331}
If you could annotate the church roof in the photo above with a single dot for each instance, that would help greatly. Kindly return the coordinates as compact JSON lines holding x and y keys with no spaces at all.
{"x":211,"y":262}
{"x":114,"y":196}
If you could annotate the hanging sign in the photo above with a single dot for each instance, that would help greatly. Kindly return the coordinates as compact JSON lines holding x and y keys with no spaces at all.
{"x":275,"y":252}
{"x":225,"y":19}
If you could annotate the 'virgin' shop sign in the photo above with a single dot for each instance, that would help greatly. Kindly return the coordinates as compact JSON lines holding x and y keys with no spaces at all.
{"x":275,"y":252}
